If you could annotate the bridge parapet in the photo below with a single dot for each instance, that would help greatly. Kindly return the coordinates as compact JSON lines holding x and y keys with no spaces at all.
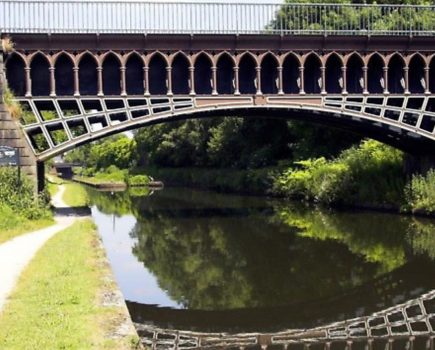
{"x":134,"y":17}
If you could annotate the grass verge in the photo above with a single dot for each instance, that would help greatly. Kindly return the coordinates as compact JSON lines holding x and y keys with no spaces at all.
{"x":12,"y":224}
{"x":57,"y":303}
{"x":75,"y":195}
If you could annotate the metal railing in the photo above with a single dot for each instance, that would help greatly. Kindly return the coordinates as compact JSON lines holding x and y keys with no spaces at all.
{"x":133,"y":17}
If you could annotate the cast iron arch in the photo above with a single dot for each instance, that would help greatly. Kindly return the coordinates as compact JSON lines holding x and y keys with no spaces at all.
{"x":134,"y":74}
{"x":417,"y":82}
{"x":290,"y":74}
{"x":375,"y":73}
{"x":247,"y":74}
{"x":396,"y":77}
{"x":16,"y":74}
{"x":334,"y":74}
{"x":88,"y":74}
{"x":64,"y":75}
{"x":355,"y":74}
{"x":203,"y":76}
{"x":269,"y":74}
{"x":180,"y":74}
{"x":40,"y":75}
{"x":111,"y":74}
{"x":158,"y":75}
{"x":225,"y":74}
{"x":312,"y":74}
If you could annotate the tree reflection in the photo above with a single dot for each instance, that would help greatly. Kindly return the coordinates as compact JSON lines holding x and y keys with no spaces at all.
{"x":216,"y":252}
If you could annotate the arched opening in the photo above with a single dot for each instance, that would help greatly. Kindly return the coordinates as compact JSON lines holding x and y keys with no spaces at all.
{"x":247,"y":75}
{"x":40,"y":75}
{"x":355,"y":75}
{"x":312,"y":74}
{"x":157,"y":75}
{"x":269,"y":75}
{"x":64,"y":75}
{"x":15,"y":74}
{"x":88,"y":75}
{"x":203,"y":79}
{"x":334,"y":75}
{"x":375,"y":75}
{"x":225,"y":75}
{"x":432,"y":75}
{"x":134,"y":75}
{"x":417,"y":83}
{"x":396,"y":79}
{"x":111,"y":75}
{"x":180,"y":75}
{"x":290,"y":75}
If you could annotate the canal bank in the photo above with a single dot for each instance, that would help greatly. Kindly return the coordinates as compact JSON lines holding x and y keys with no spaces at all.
{"x":68,"y":300}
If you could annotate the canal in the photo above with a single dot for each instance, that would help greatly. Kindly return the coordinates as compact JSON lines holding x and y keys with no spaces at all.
{"x":206,"y":262}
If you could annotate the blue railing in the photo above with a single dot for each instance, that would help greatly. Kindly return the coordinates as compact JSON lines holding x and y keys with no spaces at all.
{"x":130,"y":17}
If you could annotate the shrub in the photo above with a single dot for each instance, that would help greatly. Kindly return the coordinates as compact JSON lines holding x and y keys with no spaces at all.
{"x":7,"y":45}
{"x":368,"y":174}
{"x":420,"y":193}
{"x":20,"y":196}
{"x":138,"y":180}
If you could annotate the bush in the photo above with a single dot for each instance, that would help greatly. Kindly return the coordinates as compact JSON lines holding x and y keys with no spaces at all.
{"x":420,"y":193}
{"x":368,"y":174}
{"x":138,"y":180}
{"x":20,"y":196}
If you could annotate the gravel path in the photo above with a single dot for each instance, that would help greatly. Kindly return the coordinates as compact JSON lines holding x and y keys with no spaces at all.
{"x":57,"y":200}
{"x":16,"y":253}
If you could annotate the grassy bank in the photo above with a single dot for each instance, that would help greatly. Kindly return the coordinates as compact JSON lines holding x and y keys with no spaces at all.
{"x":75,"y":195}
{"x":57,"y":303}
{"x":111,"y":176}
{"x":13,"y":224}
{"x":252,"y":181}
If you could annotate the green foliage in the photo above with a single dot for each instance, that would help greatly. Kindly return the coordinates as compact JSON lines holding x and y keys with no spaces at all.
{"x":369,"y":17}
{"x":420,"y":193}
{"x":368,"y":174}
{"x":254,"y":181}
{"x":13,"y":224}
{"x":221,"y":142}
{"x":20,"y":196}
{"x":138,"y":180}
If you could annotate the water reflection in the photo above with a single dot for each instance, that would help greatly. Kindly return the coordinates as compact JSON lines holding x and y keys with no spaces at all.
{"x":239,"y":263}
